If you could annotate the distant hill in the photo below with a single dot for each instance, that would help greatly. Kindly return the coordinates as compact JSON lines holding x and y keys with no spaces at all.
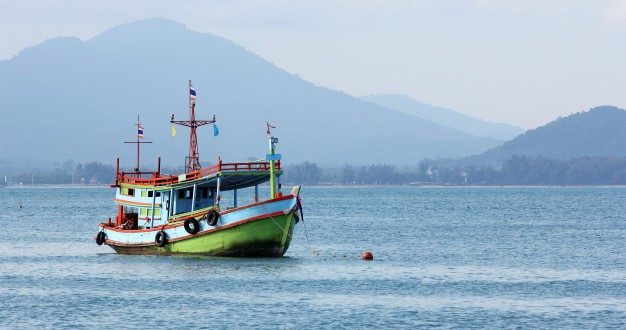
{"x":446,"y":117}
{"x":72,"y":99}
{"x":601,"y":131}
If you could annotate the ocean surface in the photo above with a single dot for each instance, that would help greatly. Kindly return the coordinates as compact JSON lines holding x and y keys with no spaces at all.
{"x":444,"y":257}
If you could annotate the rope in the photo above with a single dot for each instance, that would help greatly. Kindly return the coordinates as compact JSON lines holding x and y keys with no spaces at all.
{"x":281,"y":228}
{"x":306,"y":235}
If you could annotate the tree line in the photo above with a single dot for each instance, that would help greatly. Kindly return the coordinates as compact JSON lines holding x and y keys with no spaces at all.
{"x":517,"y":170}
{"x":66,"y":173}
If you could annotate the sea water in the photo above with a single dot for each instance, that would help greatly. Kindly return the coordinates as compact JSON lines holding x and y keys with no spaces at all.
{"x":444,"y":257}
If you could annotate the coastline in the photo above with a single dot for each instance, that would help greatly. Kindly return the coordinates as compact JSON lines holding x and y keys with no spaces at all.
{"x":318,"y":186}
{"x":40,"y":186}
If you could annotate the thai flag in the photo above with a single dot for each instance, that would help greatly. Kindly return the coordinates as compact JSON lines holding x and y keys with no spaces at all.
{"x":140,"y":131}
{"x":192,"y":93}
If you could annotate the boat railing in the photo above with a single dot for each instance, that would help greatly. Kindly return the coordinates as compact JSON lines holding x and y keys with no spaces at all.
{"x":160,"y":180}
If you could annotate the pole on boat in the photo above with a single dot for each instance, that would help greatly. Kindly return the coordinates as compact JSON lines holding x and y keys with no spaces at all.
{"x":170,"y":204}
{"x":272,"y":157}
{"x":192,"y":162}
{"x":217,"y":190}
{"x":153,"y":208}
{"x":193,"y":197}
{"x":117,"y":171}
{"x":139,"y":136}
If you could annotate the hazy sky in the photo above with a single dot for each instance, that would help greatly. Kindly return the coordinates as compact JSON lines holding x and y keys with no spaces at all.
{"x":523,"y":62}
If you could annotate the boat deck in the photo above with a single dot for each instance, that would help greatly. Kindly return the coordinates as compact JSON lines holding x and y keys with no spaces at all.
{"x":232,"y":174}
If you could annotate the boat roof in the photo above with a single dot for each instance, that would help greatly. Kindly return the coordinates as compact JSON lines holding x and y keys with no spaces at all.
{"x":231,"y":175}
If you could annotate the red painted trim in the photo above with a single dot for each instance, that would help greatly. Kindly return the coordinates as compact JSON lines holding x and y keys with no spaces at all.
{"x":179,"y":221}
{"x":118,"y":243}
{"x":230,"y":225}
{"x":123,"y":201}
{"x":278,"y":199}
{"x":158,"y":180}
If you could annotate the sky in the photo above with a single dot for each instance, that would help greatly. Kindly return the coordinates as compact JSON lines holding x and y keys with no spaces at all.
{"x":523,"y":62}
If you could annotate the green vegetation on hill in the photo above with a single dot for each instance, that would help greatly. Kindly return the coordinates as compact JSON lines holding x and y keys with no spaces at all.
{"x":601,"y":131}
{"x":525,"y":170}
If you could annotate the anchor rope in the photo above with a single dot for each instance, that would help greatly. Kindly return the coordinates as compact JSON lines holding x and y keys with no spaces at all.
{"x":306,"y":234}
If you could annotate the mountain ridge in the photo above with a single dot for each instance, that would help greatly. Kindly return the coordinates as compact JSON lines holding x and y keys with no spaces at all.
{"x":82,"y":98}
{"x":446,"y":117}
{"x":599,"y":131}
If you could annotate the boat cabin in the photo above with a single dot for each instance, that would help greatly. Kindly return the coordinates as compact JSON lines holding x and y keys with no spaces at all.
{"x":159,"y":199}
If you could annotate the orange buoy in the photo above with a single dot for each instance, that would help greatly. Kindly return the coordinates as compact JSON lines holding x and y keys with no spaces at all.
{"x":367,"y":255}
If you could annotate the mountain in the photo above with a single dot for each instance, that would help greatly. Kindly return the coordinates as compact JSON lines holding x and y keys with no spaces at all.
{"x":446,"y":117}
{"x":600,"y":131}
{"x":72,"y":99}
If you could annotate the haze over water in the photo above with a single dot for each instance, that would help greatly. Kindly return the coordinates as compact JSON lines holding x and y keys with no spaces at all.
{"x":449,"y":257}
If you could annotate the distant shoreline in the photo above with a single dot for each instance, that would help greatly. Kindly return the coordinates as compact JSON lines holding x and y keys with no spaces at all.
{"x":468,"y":186}
{"x":318,"y":186}
{"x":24,"y":186}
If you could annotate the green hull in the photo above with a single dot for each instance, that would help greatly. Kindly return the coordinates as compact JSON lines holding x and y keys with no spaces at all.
{"x":267,"y":237}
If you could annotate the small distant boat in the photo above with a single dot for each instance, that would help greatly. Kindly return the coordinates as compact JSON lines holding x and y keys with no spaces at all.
{"x":172,"y":214}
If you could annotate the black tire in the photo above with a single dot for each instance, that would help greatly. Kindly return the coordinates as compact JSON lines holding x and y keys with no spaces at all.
{"x":212,"y":218}
{"x":100,"y":238}
{"x":192,"y":226}
{"x":160,"y":239}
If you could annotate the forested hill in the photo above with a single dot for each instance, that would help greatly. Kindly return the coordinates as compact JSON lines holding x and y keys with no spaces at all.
{"x":601,"y":131}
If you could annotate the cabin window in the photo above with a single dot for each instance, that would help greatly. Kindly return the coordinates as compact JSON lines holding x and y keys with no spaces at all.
{"x":130,"y":209}
{"x":147,"y":212}
{"x":152,"y":193}
{"x":127,"y":191}
{"x":185,"y":193}
{"x":203,"y":193}
{"x":144,"y":193}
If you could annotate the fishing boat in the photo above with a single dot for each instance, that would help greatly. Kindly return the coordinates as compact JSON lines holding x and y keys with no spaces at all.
{"x":182,"y":214}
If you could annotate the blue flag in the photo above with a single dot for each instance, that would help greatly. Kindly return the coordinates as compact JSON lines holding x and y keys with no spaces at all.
{"x":216,"y":131}
{"x":192,"y":92}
